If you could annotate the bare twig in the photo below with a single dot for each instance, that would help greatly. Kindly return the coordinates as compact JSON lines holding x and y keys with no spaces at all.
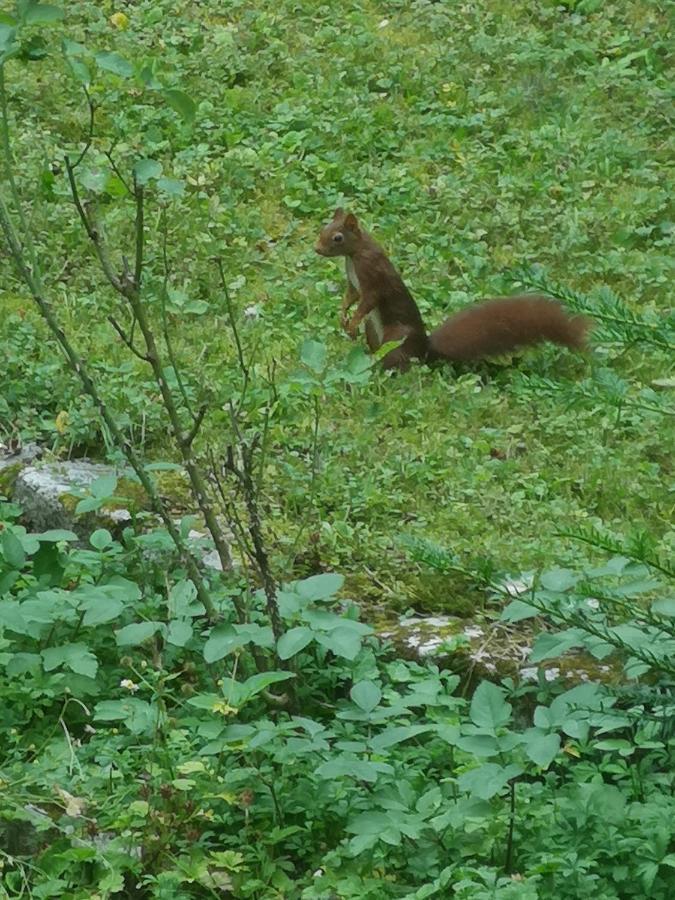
{"x":90,"y":134}
{"x":93,"y":233}
{"x":127,"y":339}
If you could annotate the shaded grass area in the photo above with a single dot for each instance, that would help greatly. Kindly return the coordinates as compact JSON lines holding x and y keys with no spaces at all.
{"x":474,"y":138}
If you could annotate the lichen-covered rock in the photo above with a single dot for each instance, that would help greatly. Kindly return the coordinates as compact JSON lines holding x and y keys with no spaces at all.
{"x":12,"y":462}
{"x":489,"y":649}
{"x":48,"y":495}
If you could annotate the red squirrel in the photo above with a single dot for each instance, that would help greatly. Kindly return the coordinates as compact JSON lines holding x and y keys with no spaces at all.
{"x":391,"y":314}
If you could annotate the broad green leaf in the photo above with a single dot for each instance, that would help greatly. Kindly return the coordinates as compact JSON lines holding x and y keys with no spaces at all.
{"x":664,"y":606}
{"x":549,"y":645}
{"x":181,"y":103}
{"x":106,"y":610}
{"x":517,"y":610}
{"x":489,"y":708}
{"x":76,"y":657}
{"x":42,"y":14}
{"x":113,"y":62}
{"x":132,"y":635}
{"x":100,"y":539}
{"x":103,"y":487}
{"x":396,"y":735}
{"x":357,"y":769}
{"x":366,"y":695}
{"x":293,"y":641}
{"x":12,"y":550}
{"x":173,"y":187}
{"x":182,"y":597}
{"x":559,"y":580}
{"x":540,"y":747}
{"x":145,"y":169}
{"x":138,"y":715}
{"x":57,"y":534}
{"x":320,"y":587}
{"x":479,"y":744}
{"x":314,"y":354}
{"x":344,"y":642}
{"x":225,"y":639}
{"x":179,"y":632}
{"x":488,"y":779}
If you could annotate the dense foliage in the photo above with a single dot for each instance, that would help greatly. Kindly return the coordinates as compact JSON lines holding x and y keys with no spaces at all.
{"x":167,"y":736}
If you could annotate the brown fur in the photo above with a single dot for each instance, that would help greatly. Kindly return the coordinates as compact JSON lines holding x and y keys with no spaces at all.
{"x":505,"y":324}
{"x":486,"y":329}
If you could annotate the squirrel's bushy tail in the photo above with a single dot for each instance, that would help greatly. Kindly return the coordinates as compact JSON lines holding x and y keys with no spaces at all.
{"x":508,"y":323}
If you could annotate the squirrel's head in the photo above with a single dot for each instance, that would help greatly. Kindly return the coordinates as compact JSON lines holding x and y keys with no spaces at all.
{"x":341,"y":236}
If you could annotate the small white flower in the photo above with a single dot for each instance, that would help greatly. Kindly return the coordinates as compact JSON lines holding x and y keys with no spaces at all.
{"x":129,"y":685}
{"x":529,"y":673}
{"x":383,"y":23}
{"x":592,"y":603}
{"x":552,"y":674}
{"x":252,"y":312}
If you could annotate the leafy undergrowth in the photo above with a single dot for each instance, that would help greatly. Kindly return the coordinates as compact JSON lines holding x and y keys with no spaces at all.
{"x":145,"y":756}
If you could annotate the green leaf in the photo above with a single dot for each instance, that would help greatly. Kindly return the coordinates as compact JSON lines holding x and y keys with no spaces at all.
{"x":113,"y":62}
{"x":179,"y":632}
{"x":181,"y":103}
{"x":366,"y":695}
{"x":319,"y":587}
{"x":517,"y":610}
{"x":79,"y":69}
{"x":488,"y":779}
{"x":107,"y":609}
{"x":138,"y":715}
{"x":132,"y":635}
{"x":56,"y":534}
{"x":42,"y":14}
{"x":76,"y":657}
{"x":173,"y":187}
{"x":12,"y":550}
{"x":396,"y":735}
{"x":314,"y":354}
{"x":540,"y":747}
{"x":489,"y":708}
{"x":664,"y":606}
{"x":343,"y":641}
{"x":350,"y":767}
{"x":101,"y":538}
{"x":549,"y":645}
{"x":103,"y":487}
{"x":293,"y":641}
{"x":145,"y":169}
{"x":559,"y":580}
{"x":225,"y":639}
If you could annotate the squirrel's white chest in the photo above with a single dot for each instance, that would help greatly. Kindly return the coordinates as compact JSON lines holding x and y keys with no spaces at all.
{"x":351,"y":273}
{"x":373,"y":318}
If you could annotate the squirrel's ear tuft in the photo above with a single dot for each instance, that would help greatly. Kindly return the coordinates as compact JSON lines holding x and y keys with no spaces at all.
{"x":339,"y":212}
{"x":351,"y":222}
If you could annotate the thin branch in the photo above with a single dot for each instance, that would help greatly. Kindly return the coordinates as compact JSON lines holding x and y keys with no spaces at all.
{"x":127,"y":339}
{"x":199,"y":418}
{"x":165,"y":320}
{"x":90,"y":134}
{"x":93,"y":233}
{"x":113,"y":165}
{"x":140,"y":233}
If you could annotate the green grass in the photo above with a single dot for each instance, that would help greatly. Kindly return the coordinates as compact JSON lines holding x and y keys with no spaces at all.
{"x":473,"y":138}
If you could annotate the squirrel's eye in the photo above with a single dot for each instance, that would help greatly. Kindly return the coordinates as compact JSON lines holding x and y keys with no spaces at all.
{"x":338,"y":238}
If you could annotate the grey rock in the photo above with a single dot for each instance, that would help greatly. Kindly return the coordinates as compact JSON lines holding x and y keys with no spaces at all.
{"x":49,"y":493}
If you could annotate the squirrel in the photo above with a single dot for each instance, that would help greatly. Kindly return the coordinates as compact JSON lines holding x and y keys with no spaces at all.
{"x":391,"y":314}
